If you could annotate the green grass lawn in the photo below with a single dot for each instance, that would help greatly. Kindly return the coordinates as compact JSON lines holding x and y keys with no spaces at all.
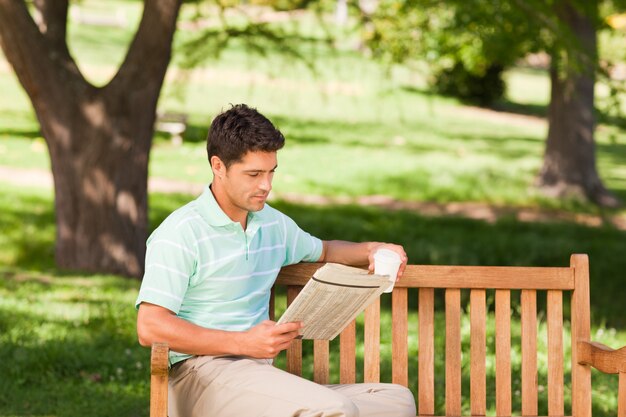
{"x":69,"y":341}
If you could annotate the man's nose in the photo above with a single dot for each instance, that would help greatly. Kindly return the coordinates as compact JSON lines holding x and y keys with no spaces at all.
{"x":266,"y":183}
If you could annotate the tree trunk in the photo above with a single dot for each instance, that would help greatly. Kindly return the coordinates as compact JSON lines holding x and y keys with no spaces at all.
{"x":99,"y":138}
{"x":569,"y":166}
{"x":100,"y":182}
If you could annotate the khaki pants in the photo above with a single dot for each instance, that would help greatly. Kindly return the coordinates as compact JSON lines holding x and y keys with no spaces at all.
{"x":205,"y":386}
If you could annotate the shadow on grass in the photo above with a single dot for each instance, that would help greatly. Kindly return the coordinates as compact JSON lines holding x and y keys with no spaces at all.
{"x":523,"y":109}
{"x":20,"y":133}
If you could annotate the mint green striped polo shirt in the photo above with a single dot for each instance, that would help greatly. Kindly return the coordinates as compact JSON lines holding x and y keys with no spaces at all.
{"x":209,"y":271}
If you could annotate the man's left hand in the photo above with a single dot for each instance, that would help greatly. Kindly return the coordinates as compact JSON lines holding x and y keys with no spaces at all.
{"x":396,"y":248}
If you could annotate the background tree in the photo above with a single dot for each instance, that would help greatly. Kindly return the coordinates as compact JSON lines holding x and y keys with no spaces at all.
{"x":98,"y":138}
{"x":569,"y":164}
{"x":469,"y":43}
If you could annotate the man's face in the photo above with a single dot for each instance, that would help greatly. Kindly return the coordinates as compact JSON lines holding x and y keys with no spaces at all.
{"x":247,"y":183}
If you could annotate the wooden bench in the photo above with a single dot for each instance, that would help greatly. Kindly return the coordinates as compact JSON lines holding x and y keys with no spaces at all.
{"x":570,"y":282}
{"x":173,"y":123}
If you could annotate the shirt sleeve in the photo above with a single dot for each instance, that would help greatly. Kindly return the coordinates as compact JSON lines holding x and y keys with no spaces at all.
{"x":300,"y":246}
{"x":170,"y":264}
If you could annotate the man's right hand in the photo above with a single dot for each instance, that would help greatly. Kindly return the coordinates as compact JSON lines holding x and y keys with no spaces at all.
{"x":267,"y":339}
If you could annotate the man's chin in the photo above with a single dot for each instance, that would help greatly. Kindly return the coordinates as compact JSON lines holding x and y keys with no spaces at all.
{"x":257,"y":206}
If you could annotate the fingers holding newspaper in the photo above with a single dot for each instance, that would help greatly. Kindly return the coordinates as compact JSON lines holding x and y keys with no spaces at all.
{"x":267,"y":339}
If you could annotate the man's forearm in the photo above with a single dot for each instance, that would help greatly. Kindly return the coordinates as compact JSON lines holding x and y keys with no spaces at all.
{"x":358,"y":254}
{"x":156,"y":324}
{"x":348,"y":253}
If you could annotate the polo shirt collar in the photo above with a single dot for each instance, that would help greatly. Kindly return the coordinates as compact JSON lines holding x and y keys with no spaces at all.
{"x":213,"y":214}
{"x":210,"y":211}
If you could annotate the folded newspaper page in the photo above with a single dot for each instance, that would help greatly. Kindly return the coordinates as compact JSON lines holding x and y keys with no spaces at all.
{"x":332,"y":298}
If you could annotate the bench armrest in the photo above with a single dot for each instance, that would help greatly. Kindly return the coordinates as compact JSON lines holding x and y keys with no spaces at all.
{"x":159,"y":363}
{"x":601,"y":357}
{"x":607,"y":360}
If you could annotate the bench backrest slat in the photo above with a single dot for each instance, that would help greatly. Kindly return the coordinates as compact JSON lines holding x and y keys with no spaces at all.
{"x":294,"y":352}
{"x":478,"y":343}
{"x":621,"y":395}
{"x":453,"y":352}
{"x":503,"y":353}
{"x":371,"y":343}
{"x":399,"y":337}
{"x":581,"y":330}
{"x":555,"y":353}
{"x":347,"y":354}
{"x":529,"y":352}
{"x":321,"y":372}
{"x":426,"y":346}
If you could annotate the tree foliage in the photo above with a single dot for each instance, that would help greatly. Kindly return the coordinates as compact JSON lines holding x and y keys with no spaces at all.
{"x":466,"y":43}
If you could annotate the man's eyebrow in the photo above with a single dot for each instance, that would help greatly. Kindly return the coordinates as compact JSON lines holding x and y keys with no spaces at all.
{"x":259,"y":170}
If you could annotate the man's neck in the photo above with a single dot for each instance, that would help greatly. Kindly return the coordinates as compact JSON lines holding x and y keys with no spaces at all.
{"x":234,"y":213}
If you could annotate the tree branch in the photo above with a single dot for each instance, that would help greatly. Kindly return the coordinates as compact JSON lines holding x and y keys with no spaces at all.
{"x":23,"y":45}
{"x":150,"y":51}
{"x":41,"y":61}
{"x":53,"y":23}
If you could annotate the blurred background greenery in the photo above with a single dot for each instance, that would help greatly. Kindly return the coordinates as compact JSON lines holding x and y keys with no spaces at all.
{"x":375,"y":151}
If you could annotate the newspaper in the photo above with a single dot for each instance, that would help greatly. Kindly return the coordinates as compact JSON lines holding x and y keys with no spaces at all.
{"x":332,"y":298}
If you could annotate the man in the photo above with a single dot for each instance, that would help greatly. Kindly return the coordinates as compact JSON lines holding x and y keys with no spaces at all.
{"x":209,"y":270}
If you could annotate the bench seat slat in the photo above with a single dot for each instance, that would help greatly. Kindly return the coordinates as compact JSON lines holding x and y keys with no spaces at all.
{"x":478,"y":381}
{"x":426,"y":353}
{"x":529,"y":352}
{"x":503,"y":352}
{"x":453,"y":352}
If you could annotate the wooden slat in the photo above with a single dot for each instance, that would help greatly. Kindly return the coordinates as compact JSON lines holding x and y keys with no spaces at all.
{"x":503,"y":352}
{"x":529,"y":352}
{"x":372,"y":343}
{"x":294,"y":351}
{"x":426,"y":353}
{"x":556,"y":406}
{"x":347,"y":355}
{"x":399,"y":341}
{"x":453,"y":352}
{"x":478,"y":390}
{"x":580,"y":322}
{"x":621,"y":395}
{"x":443,"y":276}
{"x":272,"y":306}
{"x":320,"y":361}
{"x":158,"y":380}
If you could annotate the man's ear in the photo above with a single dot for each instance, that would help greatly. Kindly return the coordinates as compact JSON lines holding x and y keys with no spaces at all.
{"x":217,"y":166}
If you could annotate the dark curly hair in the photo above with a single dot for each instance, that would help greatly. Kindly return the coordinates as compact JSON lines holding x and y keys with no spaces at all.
{"x":239,"y":130}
